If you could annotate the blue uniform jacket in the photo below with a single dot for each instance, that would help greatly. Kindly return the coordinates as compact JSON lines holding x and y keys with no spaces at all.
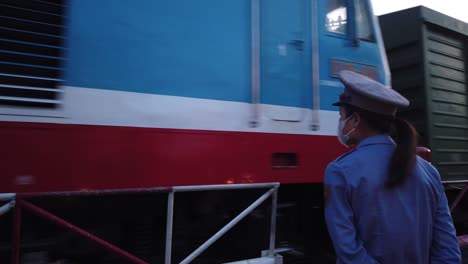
{"x":371,"y":224}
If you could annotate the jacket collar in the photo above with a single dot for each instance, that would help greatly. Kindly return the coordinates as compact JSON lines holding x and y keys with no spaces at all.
{"x":377,"y":139}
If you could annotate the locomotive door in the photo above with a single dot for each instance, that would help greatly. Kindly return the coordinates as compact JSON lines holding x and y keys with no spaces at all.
{"x":285,"y":59}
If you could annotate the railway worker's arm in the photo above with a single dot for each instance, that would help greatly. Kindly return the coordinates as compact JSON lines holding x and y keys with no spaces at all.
{"x":339,"y":217}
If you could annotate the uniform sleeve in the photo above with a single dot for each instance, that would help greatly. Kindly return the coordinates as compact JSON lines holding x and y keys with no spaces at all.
{"x":339,"y":217}
{"x":444,"y":247}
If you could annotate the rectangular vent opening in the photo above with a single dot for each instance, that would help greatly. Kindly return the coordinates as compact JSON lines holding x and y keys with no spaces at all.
{"x":284,"y":160}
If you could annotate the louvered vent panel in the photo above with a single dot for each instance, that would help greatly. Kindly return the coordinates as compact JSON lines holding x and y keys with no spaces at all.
{"x":31,"y":52}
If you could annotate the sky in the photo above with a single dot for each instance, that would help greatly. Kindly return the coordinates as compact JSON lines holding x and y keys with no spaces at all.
{"x":455,"y":8}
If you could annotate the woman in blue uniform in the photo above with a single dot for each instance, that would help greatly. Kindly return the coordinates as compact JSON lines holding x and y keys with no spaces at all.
{"x":383,"y":204}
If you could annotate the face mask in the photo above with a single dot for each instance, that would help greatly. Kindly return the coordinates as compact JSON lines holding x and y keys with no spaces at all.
{"x":344,"y":138}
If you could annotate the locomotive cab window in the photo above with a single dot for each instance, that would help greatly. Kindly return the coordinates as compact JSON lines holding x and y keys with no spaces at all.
{"x":336,"y":16}
{"x":355,"y":22}
{"x":364,"y":21}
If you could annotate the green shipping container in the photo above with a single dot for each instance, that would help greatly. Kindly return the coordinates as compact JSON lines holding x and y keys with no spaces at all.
{"x":427,"y":53}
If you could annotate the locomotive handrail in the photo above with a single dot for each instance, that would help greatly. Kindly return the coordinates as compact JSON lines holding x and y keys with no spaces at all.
{"x":315,"y":122}
{"x":255,"y":62}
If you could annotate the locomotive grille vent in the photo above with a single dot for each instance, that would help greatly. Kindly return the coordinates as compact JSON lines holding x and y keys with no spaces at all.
{"x":31,"y":52}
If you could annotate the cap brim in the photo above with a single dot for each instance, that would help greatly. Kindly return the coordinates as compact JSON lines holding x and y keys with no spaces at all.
{"x":339,"y":103}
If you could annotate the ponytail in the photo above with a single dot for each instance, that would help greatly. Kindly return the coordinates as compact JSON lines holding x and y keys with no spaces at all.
{"x":404,"y":157}
{"x":403,"y":133}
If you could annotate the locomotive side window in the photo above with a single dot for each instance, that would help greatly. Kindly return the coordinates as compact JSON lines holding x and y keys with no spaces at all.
{"x":363,"y":21}
{"x":336,"y":16}
{"x":31,"y":54}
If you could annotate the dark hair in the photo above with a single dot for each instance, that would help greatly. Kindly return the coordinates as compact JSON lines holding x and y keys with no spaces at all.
{"x":403,"y":133}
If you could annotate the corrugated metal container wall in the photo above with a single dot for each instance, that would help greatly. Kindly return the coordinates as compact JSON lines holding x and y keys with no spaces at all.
{"x":428,"y":59}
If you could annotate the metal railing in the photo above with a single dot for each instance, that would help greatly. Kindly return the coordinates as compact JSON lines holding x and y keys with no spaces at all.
{"x":10,"y":197}
{"x":462,"y":239}
{"x":460,"y":194}
{"x":22,"y":203}
{"x":273,"y":192}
